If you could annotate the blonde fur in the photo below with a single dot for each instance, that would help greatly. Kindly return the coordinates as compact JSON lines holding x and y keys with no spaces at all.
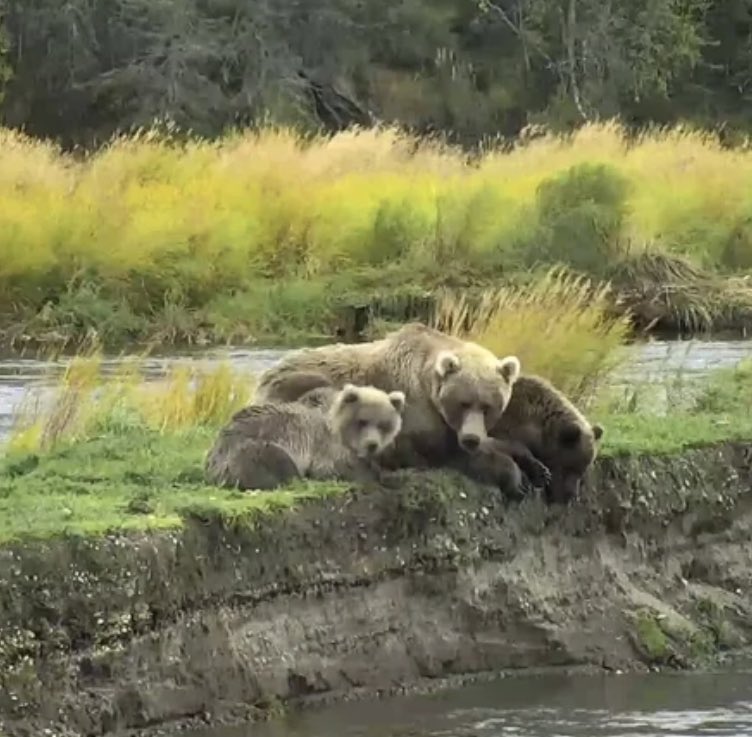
{"x":268,"y":445}
{"x":415,"y":360}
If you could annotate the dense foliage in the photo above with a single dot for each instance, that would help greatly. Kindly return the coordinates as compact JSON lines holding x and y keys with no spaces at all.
{"x":81,"y":69}
{"x":272,"y":236}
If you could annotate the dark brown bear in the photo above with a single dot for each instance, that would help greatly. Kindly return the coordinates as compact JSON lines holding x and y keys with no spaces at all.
{"x":541,"y":424}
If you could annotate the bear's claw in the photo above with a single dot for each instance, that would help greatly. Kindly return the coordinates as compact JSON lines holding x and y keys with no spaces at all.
{"x":539,"y":474}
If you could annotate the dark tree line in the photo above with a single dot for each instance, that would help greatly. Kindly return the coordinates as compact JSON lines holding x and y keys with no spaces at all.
{"x":79,"y":70}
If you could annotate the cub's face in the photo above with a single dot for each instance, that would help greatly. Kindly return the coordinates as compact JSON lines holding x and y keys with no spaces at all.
{"x":471,"y":400}
{"x":367,"y":420}
{"x":572,"y":452}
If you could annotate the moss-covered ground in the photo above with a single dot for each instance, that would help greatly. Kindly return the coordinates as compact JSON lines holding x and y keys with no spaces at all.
{"x":139,"y":478}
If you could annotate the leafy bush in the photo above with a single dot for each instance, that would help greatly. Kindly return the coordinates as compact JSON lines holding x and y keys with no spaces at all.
{"x":581,"y":215}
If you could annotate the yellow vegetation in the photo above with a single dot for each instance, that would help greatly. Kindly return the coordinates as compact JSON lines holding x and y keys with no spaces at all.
{"x":205,"y":216}
{"x":560,"y":328}
{"x":83,"y":401}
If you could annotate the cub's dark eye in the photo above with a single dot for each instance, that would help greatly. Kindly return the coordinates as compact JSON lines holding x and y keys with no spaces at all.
{"x":385,"y":428}
{"x":362,"y":424}
{"x":466,"y":406}
{"x":485,"y":408}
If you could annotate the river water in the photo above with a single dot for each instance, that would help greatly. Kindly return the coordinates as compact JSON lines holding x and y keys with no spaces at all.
{"x":654,"y":705}
{"x":651,"y":362}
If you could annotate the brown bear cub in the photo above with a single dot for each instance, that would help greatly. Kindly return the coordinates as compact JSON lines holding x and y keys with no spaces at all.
{"x":456,"y":390}
{"x":331,"y":434}
{"x":541,"y":424}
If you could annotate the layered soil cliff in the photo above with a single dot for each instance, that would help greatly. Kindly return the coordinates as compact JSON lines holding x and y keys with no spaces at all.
{"x":424,"y":577}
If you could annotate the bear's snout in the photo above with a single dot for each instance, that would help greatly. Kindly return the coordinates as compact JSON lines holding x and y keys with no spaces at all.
{"x":470,"y":442}
{"x":371,"y":447}
{"x":472,"y":431}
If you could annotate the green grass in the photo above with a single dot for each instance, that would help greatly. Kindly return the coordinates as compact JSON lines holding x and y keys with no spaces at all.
{"x":678,"y":413}
{"x":137,"y":478}
{"x":638,"y":434}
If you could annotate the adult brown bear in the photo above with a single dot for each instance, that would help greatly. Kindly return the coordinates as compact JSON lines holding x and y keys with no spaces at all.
{"x":457,"y":395}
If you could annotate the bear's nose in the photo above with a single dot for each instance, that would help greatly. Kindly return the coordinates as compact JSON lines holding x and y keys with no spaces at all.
{"x":372,"y":446}
{"x":470,"y":442}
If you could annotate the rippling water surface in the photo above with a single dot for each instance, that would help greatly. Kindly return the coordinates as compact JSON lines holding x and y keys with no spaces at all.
{"x":655,"y":705}
{"x":22,"y":378}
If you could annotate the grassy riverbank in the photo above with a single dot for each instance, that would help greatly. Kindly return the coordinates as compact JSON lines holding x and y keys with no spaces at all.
{"x":87,"y":468}
{"x":272,"y":237}
{"x":126,"y":647}
{"x":115,"y":452}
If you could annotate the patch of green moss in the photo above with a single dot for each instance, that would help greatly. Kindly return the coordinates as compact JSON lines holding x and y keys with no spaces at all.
{"x":701,"y":646}
{"x":719,"y":632}
{"x":651,"y":638}
{"x":665,"y":639}
{"x":272,"y":708}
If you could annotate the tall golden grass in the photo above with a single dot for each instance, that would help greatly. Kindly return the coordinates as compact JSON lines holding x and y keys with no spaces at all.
{"x":561,"y":328}
{"x":85,"y":402}
{"x":148,"y":214}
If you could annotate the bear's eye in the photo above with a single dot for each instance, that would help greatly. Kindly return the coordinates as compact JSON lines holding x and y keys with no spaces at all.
{"x":466,"y":406}
{"x":362,"y":424}
{"x":385,"y":428}
{"x":485,"y":408}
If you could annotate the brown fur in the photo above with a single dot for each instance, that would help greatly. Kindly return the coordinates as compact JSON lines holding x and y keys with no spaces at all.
{"x":335,"y":434}
{"x":545,"y":434}
{"x":540,"y":425}
{"x":455,"y":389}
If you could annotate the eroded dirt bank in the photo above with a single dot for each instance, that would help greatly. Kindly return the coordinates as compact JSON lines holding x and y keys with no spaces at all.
{"x":431,"y":577}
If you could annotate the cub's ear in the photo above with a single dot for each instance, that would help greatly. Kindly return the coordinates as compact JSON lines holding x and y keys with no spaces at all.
{"x":570,"y":434}
{"x":349,"y":394}
{"x":509,"y":368}
{"x":398,"y":401}
{"x":447,"y":363}
{"x":597,"y":431}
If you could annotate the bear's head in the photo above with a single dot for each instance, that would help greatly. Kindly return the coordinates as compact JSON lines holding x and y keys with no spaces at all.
{"x":472,"y":391}
{"x":366,"y":419}
{"x":571,"y":449}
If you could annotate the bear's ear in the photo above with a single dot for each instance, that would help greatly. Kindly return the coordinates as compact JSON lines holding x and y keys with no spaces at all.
{"x":509,"y":368}
{"x":447,"y":363}
{"x":597,"y":431}
{"x":570,"y":434}
{"x":398,"y":401}
{"x":349,"y":394}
